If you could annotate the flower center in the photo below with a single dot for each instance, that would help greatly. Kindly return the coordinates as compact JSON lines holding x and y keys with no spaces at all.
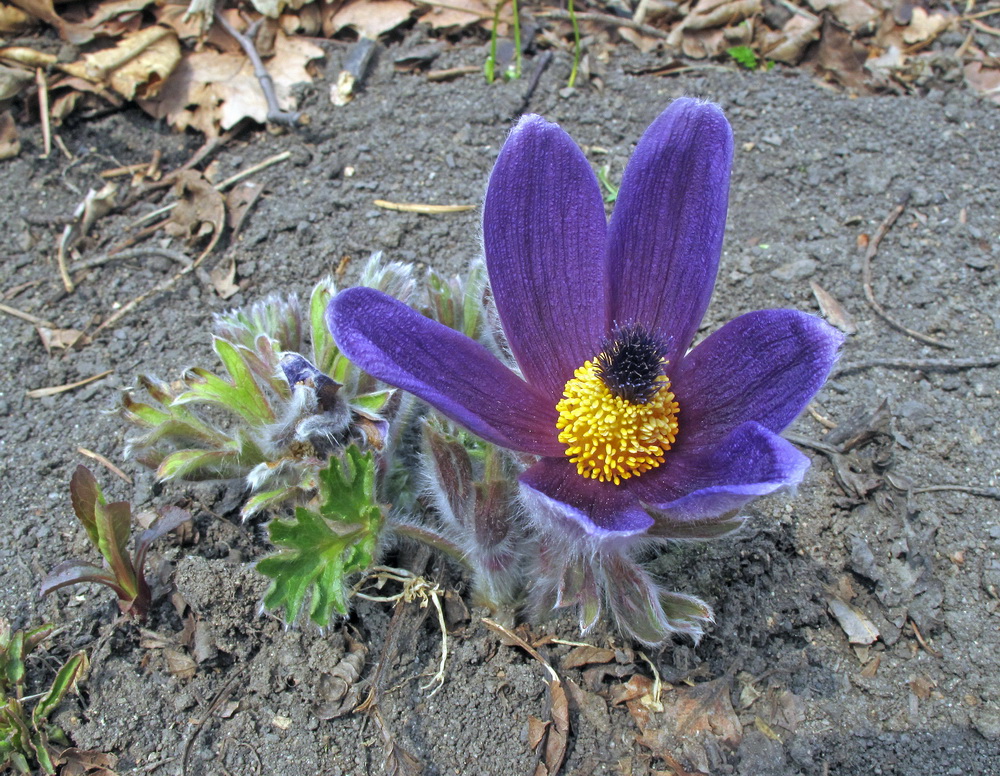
{"x":617,"y":416}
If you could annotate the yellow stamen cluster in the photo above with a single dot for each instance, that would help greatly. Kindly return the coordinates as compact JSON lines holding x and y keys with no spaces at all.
{"x":609,"y":438}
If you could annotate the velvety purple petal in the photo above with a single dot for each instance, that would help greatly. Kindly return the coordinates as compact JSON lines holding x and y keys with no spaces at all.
{"x":665,"y":235}
{"x":446,"y":369}
{"x":543,"y":232}
{"x":697,"y":485}
{"x":601,"y":509}
{"x":764,"y":366}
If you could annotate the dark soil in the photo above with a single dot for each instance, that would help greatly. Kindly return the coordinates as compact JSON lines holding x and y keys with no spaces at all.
{"x":815,"y":170}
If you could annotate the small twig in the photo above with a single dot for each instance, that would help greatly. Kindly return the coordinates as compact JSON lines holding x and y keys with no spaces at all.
{"x":608,"y":19}
{"x":866,"y":276}
{"x":128,"y":169}
{"x":811,"y":444}
{"x":222,"y":185}
{"x":274,"y":112}
{"x":920,"y":639}
{"x":536,"y":77}
{"x":43,"y":111}
{"x":217,"y":701}
{"x":38,"y":393}
{"x":984,"y":27}
{"x":919,"y":364}
{"x":104,"y":462}
{"x":406,"y":207}
{"x":133,"y":253}
{"x":984,"y":492}
{"x":26,"y":316}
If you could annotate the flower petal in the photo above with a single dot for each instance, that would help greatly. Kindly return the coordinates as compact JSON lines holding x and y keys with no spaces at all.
{"x":602,"y":510}
{"x":764,"y":366}
{"x":446,"y":369}
{"x":665,"y":235}
{"x":697,"y":485}
{"x":543,"y":232}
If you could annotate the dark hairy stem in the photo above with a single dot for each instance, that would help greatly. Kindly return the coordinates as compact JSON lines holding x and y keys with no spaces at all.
{"x":274,"y":112}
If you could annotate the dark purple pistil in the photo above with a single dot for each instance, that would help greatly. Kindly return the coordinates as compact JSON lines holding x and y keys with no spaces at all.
{"x":629,"y":363}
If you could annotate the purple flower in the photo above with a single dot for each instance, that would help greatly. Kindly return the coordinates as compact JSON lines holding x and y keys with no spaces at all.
{"x":635,"y":436}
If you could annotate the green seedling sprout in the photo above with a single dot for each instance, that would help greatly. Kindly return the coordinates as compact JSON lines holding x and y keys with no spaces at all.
{"x":610,"y":189}
{"x":490,"y":67}
{"x":26,"y":736}
{"x":108,"y":527}
{"x":576,"y":45}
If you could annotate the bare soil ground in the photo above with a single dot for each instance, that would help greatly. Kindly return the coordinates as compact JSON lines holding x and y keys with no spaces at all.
{"x":815,"y":171}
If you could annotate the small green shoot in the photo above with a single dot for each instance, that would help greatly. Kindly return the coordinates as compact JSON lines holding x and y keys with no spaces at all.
{"x":744,"y":56}
{"x":108,"y":527}
{"x":610,"y":189}
{"x":577,"y":48}
{"x":327,"y":544}
{"x":490,"y":67}
{"x":26,"y":735}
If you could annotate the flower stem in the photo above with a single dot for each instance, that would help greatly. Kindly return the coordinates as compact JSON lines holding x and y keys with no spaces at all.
{"x":576,"y":44}
{"x":517,"y":38}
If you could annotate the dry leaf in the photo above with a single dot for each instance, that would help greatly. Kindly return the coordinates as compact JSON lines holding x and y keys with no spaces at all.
{"x":14,"y":21}
{"x":10,"y":144}
{"x":859,"y":629}
{"x":983,"y":80}
{"x":536,"y":731}
{"x":223,"y":280}
{"x":454,"y":15}
{"x":84,"y":762}
{"x":137,"y":66}
{"x":239,"y":202}
{"x":13,"y":82}
{"x":850,"y":13}
{"x":200,"y":210}
{"x":209,"y":89}
{"x":338,"y":690}
{"x":370,"y":18}
{"x":95,"y":205}
{"x":179,"y":664}
{"x":689,"y":714}
{"x":789,"y":45}
{"x":837,"y":55}
{"x":61,"y":339}
{"x":833,"y":310}
{"x":44,"y":10}
{"x":584,"y":656}
{"x":924,"y":27}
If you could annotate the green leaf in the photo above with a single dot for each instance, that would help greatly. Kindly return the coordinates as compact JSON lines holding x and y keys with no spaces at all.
{"x":324,"y":349}
{"x":373,"y":402}
{"x":64,"y":680}
{"x":745,"y":56}
{"x":197,"y":465}
{"x":320,"y":549}
{"x":114,"y":524}
{"x":243,"y":395}
{"x":85,"y":494}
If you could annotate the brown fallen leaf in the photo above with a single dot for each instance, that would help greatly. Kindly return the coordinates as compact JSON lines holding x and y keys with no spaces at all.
{"x":44,"y":10}
{"x":337,"y":691}
{"x":179,"y":663}
{"x":924,"y":27}
{"x":454,"y":15}
{"x":14,"y":21}
{"x":136,"y":66}
{"x":839,"y":56}
{"x":211,"y":90}
{"x":537,"y":728}
{"x":850,"y":13}
{"x":239,"y":202}
{"x":200,"y":211}
{"x":789,"y":44}
{"x":86,"y":762}
{"x":689,"y":715}
{"x":859,"y":629}
{"x":369,"y":18}
{"x":983,"y":80}
{"x":13,"y":81}
{"x":10,"y":143}
{"x":224,"y":279}
{"x":588,"y":655}
{"x":61,"y":339}
{"x":833,"y":310}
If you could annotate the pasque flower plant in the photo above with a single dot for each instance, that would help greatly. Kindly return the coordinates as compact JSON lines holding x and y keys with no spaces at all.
{"x":627,"y":436}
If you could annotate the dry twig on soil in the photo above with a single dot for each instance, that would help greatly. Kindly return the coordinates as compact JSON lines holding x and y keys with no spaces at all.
{"x":866,"y":277}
